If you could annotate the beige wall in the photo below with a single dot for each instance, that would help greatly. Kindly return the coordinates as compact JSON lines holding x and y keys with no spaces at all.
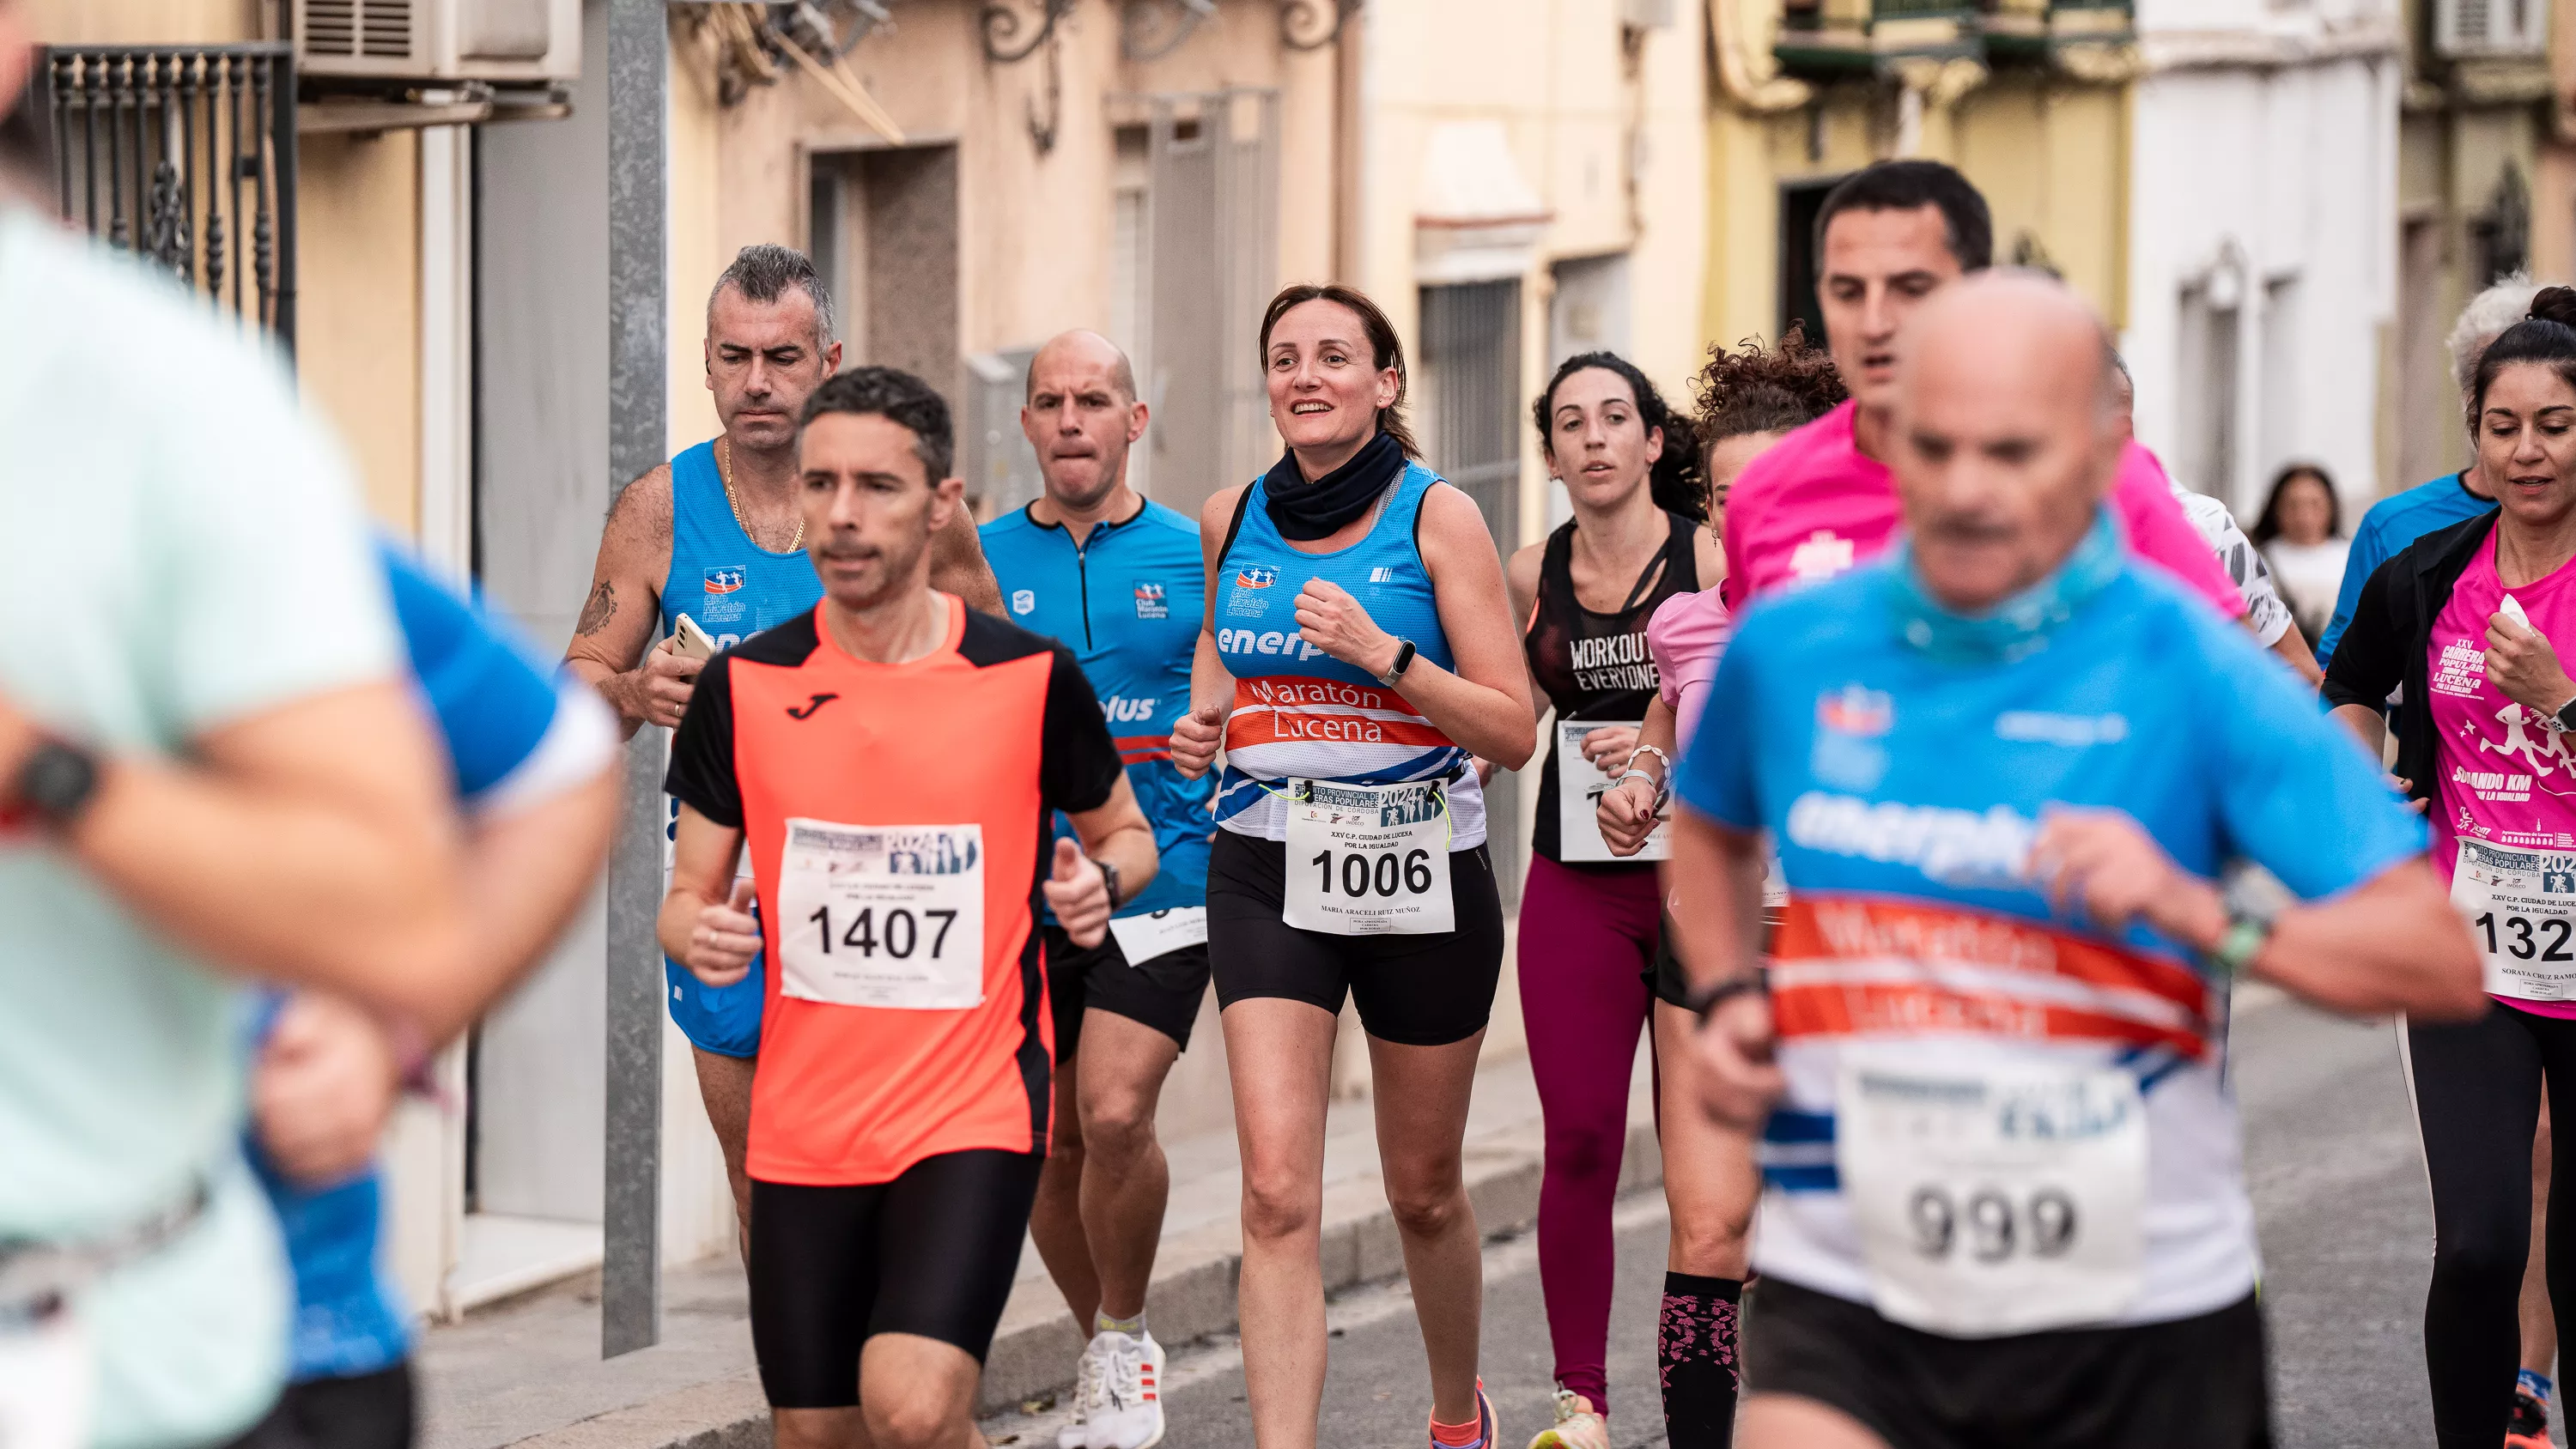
{"x":139,"y":22}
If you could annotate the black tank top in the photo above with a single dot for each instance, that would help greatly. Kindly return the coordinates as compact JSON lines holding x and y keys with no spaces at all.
{"x":1595,"y":666}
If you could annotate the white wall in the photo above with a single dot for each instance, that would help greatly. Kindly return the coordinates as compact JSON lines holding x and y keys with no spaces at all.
{"x":2290,"y":165}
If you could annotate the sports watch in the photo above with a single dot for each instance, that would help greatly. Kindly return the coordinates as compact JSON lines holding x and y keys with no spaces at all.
{"x":56,"y":782}
{"x":2249,"y":927}
{"x":2557,"y":720}
{"x":1109,"y":878}
{"x":1404,"y":652}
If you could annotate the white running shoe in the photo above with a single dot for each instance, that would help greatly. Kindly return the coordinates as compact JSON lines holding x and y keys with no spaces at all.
{"x":1090,"y":1397}
{"x":1132,"y":1416}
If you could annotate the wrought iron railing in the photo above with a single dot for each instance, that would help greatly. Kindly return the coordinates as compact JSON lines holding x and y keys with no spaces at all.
{"x":184,"y":155}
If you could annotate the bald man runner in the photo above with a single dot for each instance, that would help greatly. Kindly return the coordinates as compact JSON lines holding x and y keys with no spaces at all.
{"x":1119,"y":581}
{"x":2003,"y":763}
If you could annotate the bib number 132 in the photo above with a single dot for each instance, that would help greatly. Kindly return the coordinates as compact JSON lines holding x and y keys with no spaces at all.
{"x":2524,"y":936}
{"x":1360,"y":874}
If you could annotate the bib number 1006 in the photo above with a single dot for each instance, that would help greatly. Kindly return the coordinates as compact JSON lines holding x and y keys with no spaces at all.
{"x":2520,"y":943}
{"x":1359,"y":874}
{"x":901,"y":934}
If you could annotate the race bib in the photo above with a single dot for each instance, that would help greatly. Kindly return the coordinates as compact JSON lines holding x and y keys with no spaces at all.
{"x":1997,"y":1200}
{"x":1579,"y":787}
{"x":1159,"y":933}
{"x":889,"y":916}
{"x":1369,"y":860}
{"x":2519,"y":904}
{"x":47,"y":1373}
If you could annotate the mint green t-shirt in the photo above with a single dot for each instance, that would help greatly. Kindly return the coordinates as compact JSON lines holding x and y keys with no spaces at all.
{"x":180,"y":548}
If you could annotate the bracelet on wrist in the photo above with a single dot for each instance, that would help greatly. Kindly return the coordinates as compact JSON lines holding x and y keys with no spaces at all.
{"x":1701,"y":1000}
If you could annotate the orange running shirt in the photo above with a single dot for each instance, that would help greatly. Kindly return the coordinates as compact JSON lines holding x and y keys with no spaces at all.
{"x":995,"y":728}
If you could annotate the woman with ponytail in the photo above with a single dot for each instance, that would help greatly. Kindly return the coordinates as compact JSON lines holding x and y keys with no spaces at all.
{"x":1589,"y":922}
{"x":1357,"y":653}
{"x":2464,"y":619}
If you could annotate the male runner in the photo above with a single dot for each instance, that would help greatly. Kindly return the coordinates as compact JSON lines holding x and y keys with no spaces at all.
{"x":892,"y":760}
{"x":1822,"y":499}
{"x":1119,"y":581}
{"x":531,"y":758}
{"x":718,"y":534}
{"x":2003,"y":1196}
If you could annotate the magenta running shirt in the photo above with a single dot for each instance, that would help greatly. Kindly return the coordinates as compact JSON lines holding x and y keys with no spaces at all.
{"x":2506,"y":806}
{"x":1813,"y":505}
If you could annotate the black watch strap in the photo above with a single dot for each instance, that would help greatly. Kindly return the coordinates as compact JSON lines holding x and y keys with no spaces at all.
{"x":56,"y":782}
{"x":1109,"y":878}
{"x":1701,"y":1000}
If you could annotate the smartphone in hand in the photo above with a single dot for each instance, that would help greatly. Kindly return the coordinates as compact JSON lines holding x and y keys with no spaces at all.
{"x":692,"y":642}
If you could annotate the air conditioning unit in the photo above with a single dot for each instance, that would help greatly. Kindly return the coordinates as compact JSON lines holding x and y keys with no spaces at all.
{"x":2471,"y":28}
{"x":501,"y":42}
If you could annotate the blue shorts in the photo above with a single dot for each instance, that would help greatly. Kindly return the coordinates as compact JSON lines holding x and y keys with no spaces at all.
{"x":724,"y":1020}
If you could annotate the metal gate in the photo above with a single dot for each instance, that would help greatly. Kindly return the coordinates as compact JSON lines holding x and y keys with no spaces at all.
{"x":186,"y":156}
{"x":1471,"y":383}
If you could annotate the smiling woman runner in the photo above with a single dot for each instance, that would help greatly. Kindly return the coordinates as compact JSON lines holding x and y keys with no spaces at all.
{"x":1358,"y":649}
{"x":1589,"y":921}
{"x":2464,"y":618}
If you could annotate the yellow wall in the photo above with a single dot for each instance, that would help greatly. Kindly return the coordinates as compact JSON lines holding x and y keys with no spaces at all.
{"x":2050,"y":154}
{"x":136,"y":22}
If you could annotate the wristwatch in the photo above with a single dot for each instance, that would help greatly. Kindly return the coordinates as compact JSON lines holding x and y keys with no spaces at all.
{"x":2249,"y":926}
{"x":2556,"y":720}
{"x":56,"y":782}
{"x":1701,"y":1000}
{"x":1404,"y":652}
{"x":1109,"y":878}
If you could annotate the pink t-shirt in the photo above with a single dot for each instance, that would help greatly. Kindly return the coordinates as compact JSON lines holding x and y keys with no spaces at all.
{"x":1812,"y":505}
{"x":1686,"y":638}
{"x":2508,"y":781}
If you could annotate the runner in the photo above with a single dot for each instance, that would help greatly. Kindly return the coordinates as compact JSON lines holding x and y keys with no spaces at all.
{"x":210,"y":767}
{"x":896,"y":836}
{"x":2398,"y":520}
{"x":2266,"y":616}
{"x":1118,"y":580}
{"x":1589,"y":923}
{"x":1352,"y":860}
{"x":717,"y":535}
{"x":532,"y":760}
{"x":2460,"y":621}
{"x":1748,"y":400}
{"x":2003,"y":1198}
{"x":1886,"y":239}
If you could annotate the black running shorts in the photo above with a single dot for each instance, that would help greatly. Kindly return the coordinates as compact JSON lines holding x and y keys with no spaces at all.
{"x":1410,"y":990}
{"x":931,"y":1253}
{"x":1163,"y":993}
{"x":364,"y":1411}
{"x":2202,"y":1382}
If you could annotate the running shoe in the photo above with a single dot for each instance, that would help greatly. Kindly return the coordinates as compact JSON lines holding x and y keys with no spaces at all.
{"x":2529,"y":1426}
{"x":1129,"y":1410}
{"x":1577,"y":1425}
{"x":1090,"y":1395}
{"x":1484,"y":1424}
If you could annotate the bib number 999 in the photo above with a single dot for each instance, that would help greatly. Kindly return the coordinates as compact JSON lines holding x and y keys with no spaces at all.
{"x":1361,"y":873}
{"x":1989,"y":1226}
{"x":900,"y":938}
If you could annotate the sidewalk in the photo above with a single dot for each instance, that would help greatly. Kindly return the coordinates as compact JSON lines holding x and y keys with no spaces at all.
{"x":528,"y":1372}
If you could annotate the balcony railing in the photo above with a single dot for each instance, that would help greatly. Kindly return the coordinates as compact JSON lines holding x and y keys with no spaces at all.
{"x":1825,"y":37}
{"x":184,"y":155}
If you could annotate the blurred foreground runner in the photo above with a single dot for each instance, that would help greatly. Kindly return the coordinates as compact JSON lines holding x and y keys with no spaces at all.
{"x":2003,"y":1197}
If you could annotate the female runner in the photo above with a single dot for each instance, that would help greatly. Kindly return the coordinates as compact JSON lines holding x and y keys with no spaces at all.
{"x":1748,"y":400}
{"x":1589,"y":923}
{"x":1358,"y":649}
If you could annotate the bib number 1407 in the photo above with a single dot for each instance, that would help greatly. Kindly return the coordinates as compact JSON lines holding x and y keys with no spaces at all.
{"x":885,"y":916}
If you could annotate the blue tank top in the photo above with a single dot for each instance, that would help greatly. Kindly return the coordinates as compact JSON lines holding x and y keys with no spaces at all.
{"x":1298,"y":712}
{"x":1128,"y":602}
{"x":733,"y":587}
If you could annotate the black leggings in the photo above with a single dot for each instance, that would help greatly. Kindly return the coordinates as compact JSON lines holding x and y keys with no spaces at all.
{"x":2477,"y":1103}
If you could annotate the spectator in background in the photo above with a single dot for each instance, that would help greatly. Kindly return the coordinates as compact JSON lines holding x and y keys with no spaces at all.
{"x":2301,"y":533}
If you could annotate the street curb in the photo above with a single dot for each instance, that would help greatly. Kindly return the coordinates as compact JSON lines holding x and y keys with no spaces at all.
{"x":1193,"y":1296}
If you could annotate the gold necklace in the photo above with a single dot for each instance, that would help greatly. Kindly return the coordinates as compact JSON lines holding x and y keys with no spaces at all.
{"x":724,"y":475}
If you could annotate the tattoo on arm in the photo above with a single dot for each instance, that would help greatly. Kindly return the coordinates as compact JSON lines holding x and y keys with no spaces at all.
{"x":601,"y":608}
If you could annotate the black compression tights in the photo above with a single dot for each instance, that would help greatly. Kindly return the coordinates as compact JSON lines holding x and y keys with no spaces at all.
{"x":2477,"y":1101}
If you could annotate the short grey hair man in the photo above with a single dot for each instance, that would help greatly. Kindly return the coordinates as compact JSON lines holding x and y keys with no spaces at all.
{"x":2486,"y":317}
{"x":764,"y":271}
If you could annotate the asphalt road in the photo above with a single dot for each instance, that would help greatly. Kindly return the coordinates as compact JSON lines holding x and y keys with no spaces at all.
{"x":2347,"y":1235}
